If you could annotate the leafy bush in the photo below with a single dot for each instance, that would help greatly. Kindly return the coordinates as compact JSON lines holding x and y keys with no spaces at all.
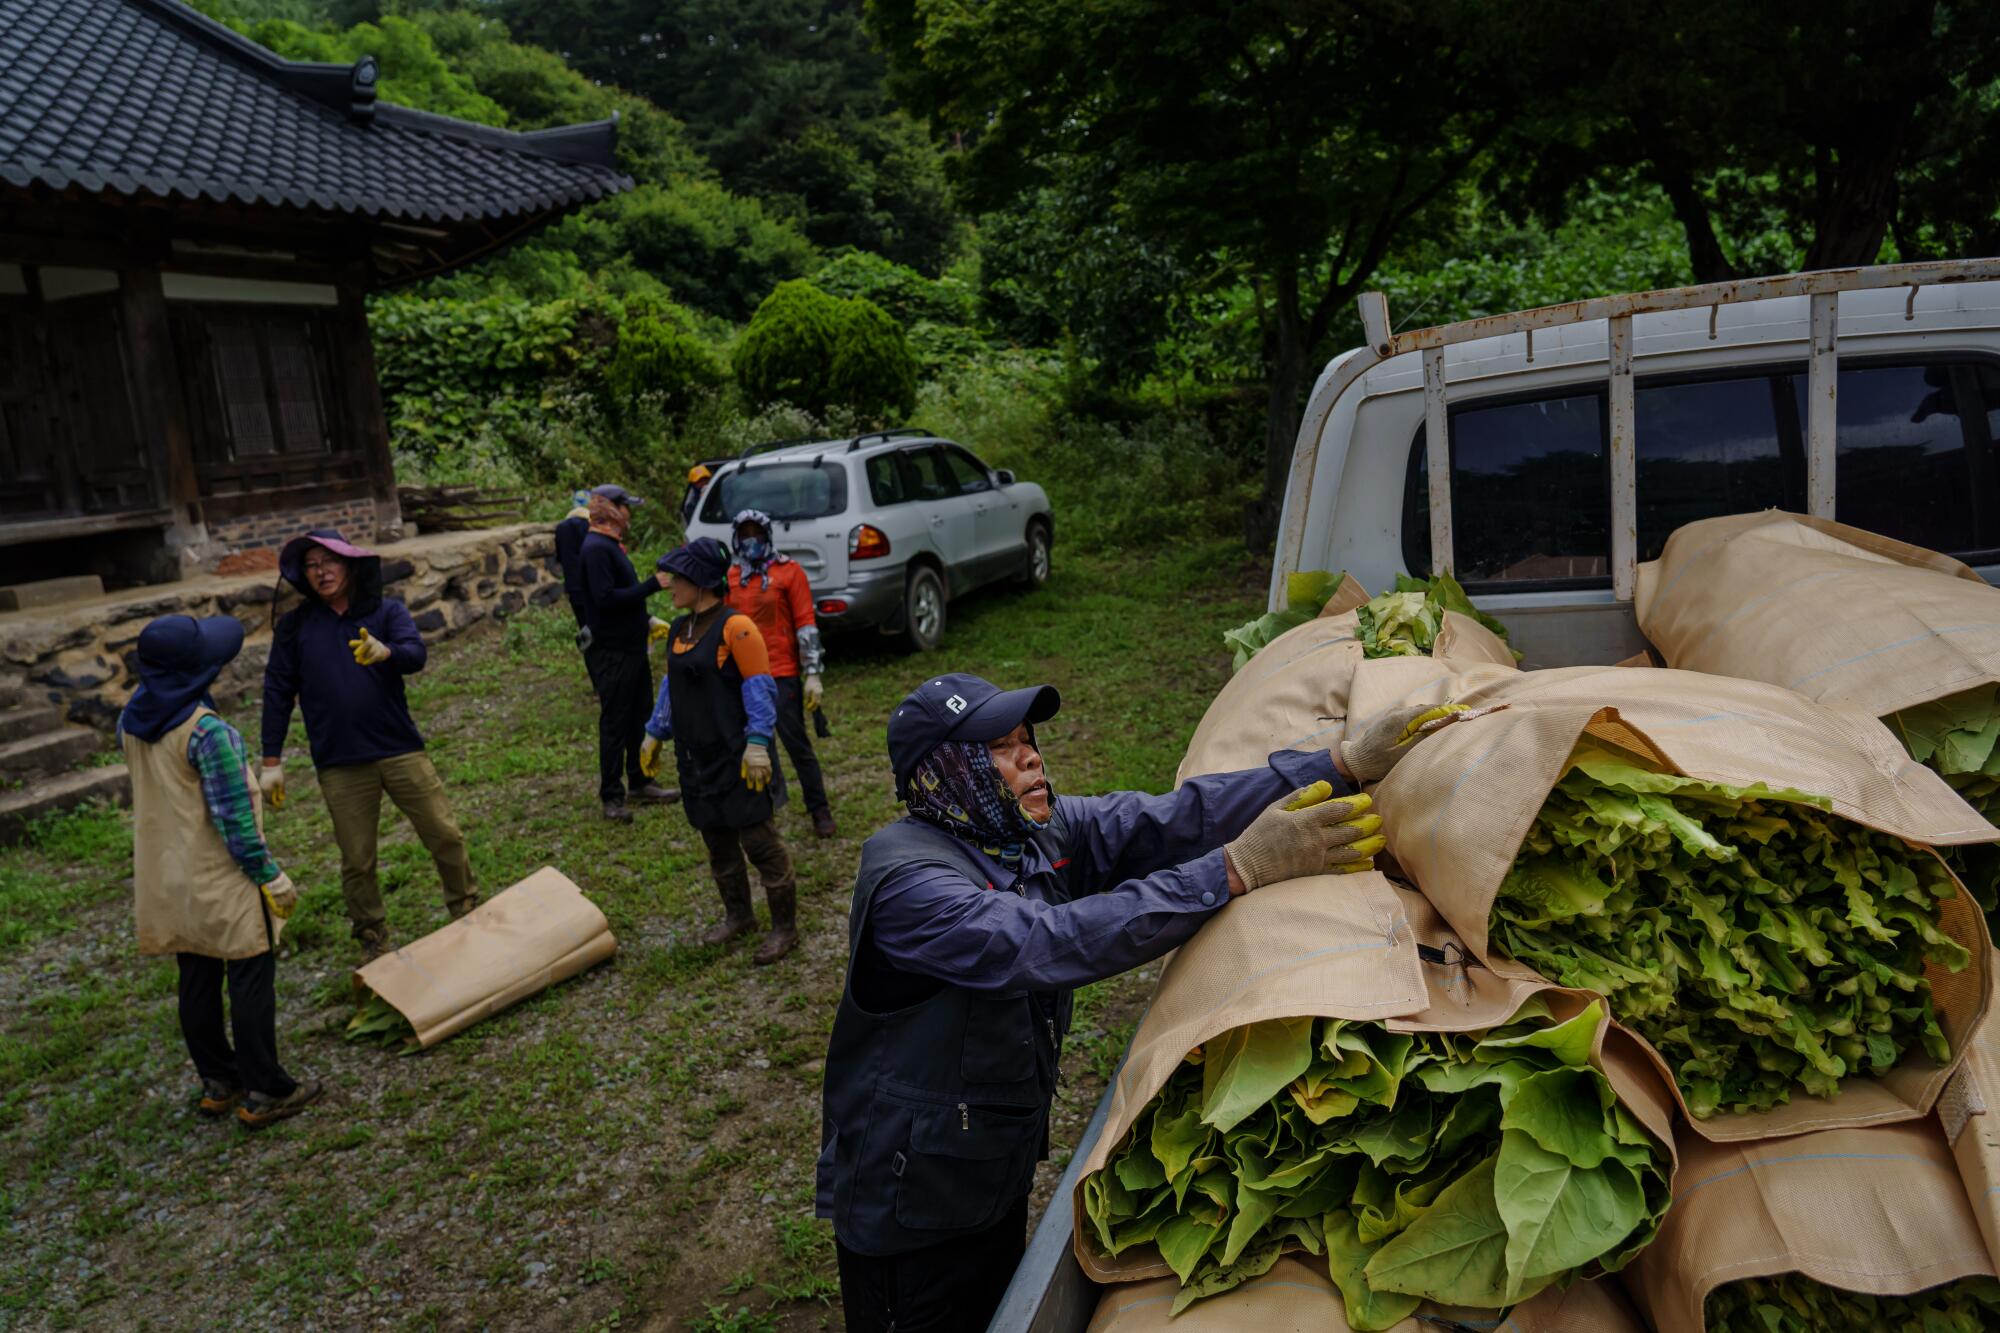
{"x":902,"y":291}
{"x":816,"y":351}
{"x":655,"y":358}
{"x":715,"y":251}
{"x":872,"y":370}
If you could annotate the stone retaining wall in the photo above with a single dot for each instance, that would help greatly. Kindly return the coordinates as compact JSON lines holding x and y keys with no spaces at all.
{"x":81,"y":655}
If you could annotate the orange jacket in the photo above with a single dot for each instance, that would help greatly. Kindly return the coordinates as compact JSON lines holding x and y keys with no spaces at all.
{"x":780,"y":611}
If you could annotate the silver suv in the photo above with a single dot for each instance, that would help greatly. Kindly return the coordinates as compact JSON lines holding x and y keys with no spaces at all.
{"x":888,"y":527}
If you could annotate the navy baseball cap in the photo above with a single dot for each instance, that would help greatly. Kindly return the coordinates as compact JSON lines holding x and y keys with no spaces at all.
{"x":959,"y":707}
{"x":617,"y":495}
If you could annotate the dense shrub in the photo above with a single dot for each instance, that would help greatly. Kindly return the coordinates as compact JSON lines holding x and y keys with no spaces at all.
{"x":902,"y":291}
{"x":659,"y":360}
{"x":715,"y":251}
{"x":787,"y":352}
{"x":872,"y":370}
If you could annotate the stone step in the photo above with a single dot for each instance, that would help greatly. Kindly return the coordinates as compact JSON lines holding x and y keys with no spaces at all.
{"x":21,"y":806}
{"x":12,"y":688}
{"x":28,"y":720}
{"x":48,"y":753}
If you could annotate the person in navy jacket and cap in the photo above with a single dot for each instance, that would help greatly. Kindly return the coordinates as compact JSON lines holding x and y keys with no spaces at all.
{"x":974,"y":918}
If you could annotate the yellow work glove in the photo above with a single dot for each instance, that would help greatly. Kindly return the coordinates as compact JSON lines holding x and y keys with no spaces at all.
{"x":657,"y":629}
{"x":649,"y":757}
{"x":368,"y":650}
{"x":1377,"y":747}
{"x":756,"y":766}
{"x":271,"y":785}
{"x":281,"y":895}
{"x":815,"y":691}
{"x":1306,"y":834}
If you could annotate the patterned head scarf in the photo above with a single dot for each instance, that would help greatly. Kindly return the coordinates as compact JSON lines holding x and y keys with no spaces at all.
{"x":755,"y":554}
{"x":609,"y":518}
{"x":958,"y":788}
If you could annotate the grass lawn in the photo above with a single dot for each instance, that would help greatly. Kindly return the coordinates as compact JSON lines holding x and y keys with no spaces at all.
{"x":632,"y":1149}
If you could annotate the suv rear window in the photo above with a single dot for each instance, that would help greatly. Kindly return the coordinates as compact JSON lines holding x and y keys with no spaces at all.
{"x":782,"y":490}
{"x":1531,"y":497}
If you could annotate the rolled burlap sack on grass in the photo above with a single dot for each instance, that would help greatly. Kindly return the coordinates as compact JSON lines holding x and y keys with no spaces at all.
{"x":517,"y":943}
{"x":1297,"y":1296}
{"x":1838,"y":614}
{"x":1332,"y":946}
{"x":1875,"y":1210}
{"x":1456,"y":810}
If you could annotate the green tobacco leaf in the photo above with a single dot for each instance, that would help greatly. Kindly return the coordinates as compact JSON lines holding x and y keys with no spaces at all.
{"x":1246,"y":1067}
{"x":1794,"y":1303}
{"x":1556,"y":1213}
{"x":1455,"y":1253}
{"x":1347,"y":1256}
{"x":1564,"y":1110}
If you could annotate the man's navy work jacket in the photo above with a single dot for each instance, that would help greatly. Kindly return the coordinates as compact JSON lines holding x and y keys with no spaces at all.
{"x":947,"y":1041}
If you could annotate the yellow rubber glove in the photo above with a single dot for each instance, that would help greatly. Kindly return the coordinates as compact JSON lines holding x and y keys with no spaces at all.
{"x":756,"y":766}
{"x":281,"y":895}
{"x":1359,"y":854}
{"x":1375,"y":749}
{"x":657,"y":629}
{"x":815,"y":691}
{"x":1306,"y":833}
{"x":271,"y":785}
{"x":649,"y":757}
{"x":368,"y":650}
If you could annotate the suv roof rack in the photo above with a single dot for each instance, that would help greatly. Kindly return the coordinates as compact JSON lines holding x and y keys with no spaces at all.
{"x":860,"y":440}
{"x":775,"y":444}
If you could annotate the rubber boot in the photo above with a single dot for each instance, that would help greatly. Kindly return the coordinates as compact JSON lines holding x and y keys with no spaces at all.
{"x":737,"y":918}
{"x":784,"y":936}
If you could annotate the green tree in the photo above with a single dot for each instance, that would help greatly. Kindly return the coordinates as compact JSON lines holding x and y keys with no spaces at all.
{"x":657,"y":358}
{"x":1262,"y":140}
{"x":816,"y":351}
{"x":872,"y":370}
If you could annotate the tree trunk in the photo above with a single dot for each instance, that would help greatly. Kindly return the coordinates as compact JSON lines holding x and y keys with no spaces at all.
{"x":1855,"y":213}
{"x":1284,"y":374}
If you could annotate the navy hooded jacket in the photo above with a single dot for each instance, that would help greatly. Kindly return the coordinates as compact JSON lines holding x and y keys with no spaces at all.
{"x":354,"y":714}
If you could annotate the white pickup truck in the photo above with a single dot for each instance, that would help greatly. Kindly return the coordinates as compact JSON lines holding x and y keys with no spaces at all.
{"x":1581,"y":435}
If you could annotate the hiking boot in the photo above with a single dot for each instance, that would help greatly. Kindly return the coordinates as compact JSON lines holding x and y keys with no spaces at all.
{"x":616,"y":811}
{"x":737,"y":918}
{"x":260,"y":1111}
{"x":784,"y":936}
{"x":654,"y":794}
{"x":823,"y":825}
{"x":218,"y":1099}
{"x":729,"y":929}
{"x":374,"y":943}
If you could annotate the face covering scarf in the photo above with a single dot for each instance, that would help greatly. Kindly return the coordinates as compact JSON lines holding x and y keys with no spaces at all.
{"x":958,"y":788}
{"x":756,"y":554}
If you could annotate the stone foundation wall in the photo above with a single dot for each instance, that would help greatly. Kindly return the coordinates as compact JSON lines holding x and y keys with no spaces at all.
{"x":82,"y":655}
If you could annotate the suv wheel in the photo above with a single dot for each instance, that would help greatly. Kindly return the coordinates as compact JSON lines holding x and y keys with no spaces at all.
{"x":1035,"y":569}
{"x":923,"y":610}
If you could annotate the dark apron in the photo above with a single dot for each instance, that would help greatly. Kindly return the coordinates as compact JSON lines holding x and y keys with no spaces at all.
{"x":710,"y":729}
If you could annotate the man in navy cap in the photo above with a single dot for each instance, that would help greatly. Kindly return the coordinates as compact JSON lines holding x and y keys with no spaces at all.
{"x":614,"y":614}
{"x":974,"y":918}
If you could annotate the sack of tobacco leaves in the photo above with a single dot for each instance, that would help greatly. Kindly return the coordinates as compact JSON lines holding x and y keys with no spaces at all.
{"x":1746,"y":876}
{"x":1297,"y":1296}
{"x":1321,"y":1073}
{"x":1968,"y":1112}
{"x":1848,"y":618}
{"x":1292,"y":693}
{"x":1841,"y":1231}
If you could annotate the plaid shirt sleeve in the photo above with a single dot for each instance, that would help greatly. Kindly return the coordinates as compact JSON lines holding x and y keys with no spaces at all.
{"x":216,"y":751}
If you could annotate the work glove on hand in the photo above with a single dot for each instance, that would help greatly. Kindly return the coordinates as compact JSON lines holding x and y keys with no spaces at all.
{"x":1370,"y":753}
{"x":815,"y":691}
{"x":1307,"y":834}
{"x":756,"y":766}
{"x":657,"y":629}
{"x":281,"y":896}
{"x":271,"y":785}
{"x":649,"y":756}
{"x":368,"y":650}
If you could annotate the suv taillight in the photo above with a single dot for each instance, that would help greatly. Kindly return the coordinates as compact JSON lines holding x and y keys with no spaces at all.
{"x":867,"y":542}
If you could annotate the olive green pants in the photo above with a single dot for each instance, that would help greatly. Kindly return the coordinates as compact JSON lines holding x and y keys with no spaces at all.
{"x":353,"y":795}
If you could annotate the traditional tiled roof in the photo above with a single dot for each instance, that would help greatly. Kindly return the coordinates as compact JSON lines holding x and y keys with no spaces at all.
{"x":148,"y":97}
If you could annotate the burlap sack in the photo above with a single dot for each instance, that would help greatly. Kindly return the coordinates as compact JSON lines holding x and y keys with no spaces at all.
{"x":1297,"y":1296}
{"x":1293,"y":694}
{"x":1332,"y":946}
{"x":1836,"y":613}
{"x":1969,"y":1114}
{"x":515,"y":944}
{"x":1456,"y":809}
{"x":1873,"y":1210}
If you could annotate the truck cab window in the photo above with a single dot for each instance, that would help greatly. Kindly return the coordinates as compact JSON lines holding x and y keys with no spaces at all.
{"x":1530,"y":495}
{"x":1905,"y":466}
{"x":1713,"y":447}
